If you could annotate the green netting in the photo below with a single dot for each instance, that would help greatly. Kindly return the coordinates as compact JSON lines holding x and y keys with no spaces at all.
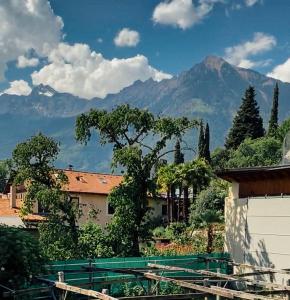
{"x":75,"y":273}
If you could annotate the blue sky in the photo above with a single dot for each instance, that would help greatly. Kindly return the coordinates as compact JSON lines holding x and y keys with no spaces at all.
{"x":163,"y":38}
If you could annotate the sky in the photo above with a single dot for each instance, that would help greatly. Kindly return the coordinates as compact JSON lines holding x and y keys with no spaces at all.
{"x":91,"y":48}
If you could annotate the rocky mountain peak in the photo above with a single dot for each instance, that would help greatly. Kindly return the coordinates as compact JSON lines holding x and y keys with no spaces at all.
{"x":214,"y":62}
{"x":45,"y":90}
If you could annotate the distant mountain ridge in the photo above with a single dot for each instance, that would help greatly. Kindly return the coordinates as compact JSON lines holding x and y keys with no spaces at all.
{"x":211,"y":90}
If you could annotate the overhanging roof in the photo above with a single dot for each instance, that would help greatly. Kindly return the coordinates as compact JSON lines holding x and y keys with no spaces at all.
{"x":254,"y":173}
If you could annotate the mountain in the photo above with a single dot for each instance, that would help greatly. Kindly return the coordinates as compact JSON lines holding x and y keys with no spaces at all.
{"x":211,"y":90}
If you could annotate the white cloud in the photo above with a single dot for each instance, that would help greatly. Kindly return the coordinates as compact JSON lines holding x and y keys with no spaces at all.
{"x":23,"y":62}
{"x":240,"y":54}
{"x":127,"y":38}
{"x":18,"y":87}
{"x":251,"y":2}
{"x":78,"y":70}
{"x":25,"y":25}
{"x":281,"y":72}
{"x":182,"y":13}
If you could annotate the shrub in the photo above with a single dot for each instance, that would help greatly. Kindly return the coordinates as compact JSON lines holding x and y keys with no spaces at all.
{"x":20,"y":257}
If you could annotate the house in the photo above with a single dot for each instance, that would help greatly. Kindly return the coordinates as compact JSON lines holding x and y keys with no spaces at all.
{"x":257,"y":216}
{"x":89,"y":190}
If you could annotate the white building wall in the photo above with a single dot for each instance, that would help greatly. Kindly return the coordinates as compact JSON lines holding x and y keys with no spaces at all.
{"x":258,"y":232}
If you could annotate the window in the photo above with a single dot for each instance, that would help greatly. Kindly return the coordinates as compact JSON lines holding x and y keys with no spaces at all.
{"x":111,"y":209}
{"x":164,"y":210}
{"x":75,"y":200}
{"x":42,"y":209}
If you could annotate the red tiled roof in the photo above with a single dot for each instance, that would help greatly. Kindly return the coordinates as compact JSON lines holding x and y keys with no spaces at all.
{"x":6,"y":211}
{"x":95,"y":183}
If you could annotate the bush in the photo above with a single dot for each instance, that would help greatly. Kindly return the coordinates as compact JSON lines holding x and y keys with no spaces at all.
{"x":20,"y":257}
{"x":159,"y":232}
{"x":93,"y":242}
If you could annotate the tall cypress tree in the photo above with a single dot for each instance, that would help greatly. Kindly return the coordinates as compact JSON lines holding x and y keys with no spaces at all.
{"x":273,"y":122}
{"x":247,"y":122}
{"x":206,"y":144}
{"x":178,"y":155}
{"x":201,"y":141}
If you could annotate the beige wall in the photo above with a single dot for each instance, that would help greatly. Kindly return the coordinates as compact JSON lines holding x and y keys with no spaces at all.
{"x":89,"y":202}
{"x":258,"y":231}
{"x":99,"y":203}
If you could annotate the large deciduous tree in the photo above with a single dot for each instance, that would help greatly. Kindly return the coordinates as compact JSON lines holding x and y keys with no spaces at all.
{"x":247,"y":122}
{"x":139,"y":141}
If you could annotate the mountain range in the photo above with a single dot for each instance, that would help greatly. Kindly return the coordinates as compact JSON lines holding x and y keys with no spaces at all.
{"x":210,"y":90}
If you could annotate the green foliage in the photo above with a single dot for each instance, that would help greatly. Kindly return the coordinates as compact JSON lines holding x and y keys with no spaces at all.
{"x":273,"y":122}
{"x":126,"y":129}
{"x":247,"y":122}
{"x":20,"y":257}
{"x":260,"y":152}
{"x":283,"y":129}
{"x":125,"y":229}
{"x":93,"y":242}
{"x":206,"y":144}
{"x":176,"y":232}
{"x":4,"y":173}
{"x":208,"y":209}
{"x":159,"y":232}
{"x":219,"y":158}
{"x":201,"y":141}
{"x":265,"y":151}
{"x":170,"y":288}
{"x":178,"y":155}
{"x":32,"y":165}
{"x":195,"y":174}
{"x":56,"y":241}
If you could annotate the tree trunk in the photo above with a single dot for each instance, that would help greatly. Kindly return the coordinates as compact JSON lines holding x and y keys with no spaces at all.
{"x":185,"y":204}
{"x":210,"y":237}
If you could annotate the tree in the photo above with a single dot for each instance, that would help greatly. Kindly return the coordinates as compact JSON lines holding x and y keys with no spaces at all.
{"x":206,"y":144}
{"x":178,"y":155}
{"x":194,"y":176}
{"x":266,"y":151}
{"x":4,"y":173}
{"x":20,"y":257}
{"x":201,"y":141}
{"x":273,"y":122}
{"x":208,"y":209}
{"x":127,"y":129}
{"x":32,"y":165}
{"x":93,"y":242}
{"x":247,"y":122}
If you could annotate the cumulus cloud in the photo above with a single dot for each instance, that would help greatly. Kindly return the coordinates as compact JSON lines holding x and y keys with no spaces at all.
{"x":25,"y":25}
{"x":182,"y":13}
{"x":240,"y":55}
{"x":84,"y":73}
{"x":127,"y":38}
{"x":18,"y":87}
{"x":23,"y":62}
{"x":281,"y":72}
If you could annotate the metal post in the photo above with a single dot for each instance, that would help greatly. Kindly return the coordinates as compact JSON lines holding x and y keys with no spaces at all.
{"x":218,"y":270}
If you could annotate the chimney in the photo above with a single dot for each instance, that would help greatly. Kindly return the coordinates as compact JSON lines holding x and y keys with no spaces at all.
{"x":12,"y":196}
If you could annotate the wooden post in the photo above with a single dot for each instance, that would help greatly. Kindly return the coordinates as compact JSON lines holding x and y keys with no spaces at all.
{"x":219,"y":283}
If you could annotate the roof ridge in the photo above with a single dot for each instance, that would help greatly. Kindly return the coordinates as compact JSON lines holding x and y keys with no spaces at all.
{"x":89,"y":172}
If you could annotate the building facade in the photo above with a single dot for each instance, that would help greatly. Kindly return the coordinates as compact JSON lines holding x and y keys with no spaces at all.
{"x":257,"y":217}
{"x":89,"y":190}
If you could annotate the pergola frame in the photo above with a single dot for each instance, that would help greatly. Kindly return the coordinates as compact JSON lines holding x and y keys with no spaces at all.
{"x":198,"y":283}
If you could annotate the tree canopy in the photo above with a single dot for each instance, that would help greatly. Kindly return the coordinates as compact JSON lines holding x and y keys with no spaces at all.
{"x":139,"y":141}
{"x":247,"y":123}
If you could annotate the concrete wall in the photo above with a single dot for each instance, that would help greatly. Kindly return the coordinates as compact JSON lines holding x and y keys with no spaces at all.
{"x":258,"y":231}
